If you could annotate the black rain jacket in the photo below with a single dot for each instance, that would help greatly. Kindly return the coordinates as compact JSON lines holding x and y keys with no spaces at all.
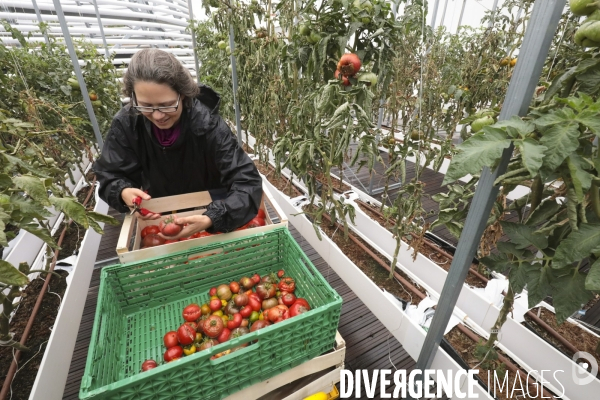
{"x":206,"y":156}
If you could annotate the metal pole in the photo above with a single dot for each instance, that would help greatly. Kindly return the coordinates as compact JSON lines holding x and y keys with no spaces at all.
{"x":78,"y":74}
{"x":493,"y":16}
{"x":106,"y":52}
{"x":462,"y":12}
{"x":191,"y":11}
{"x":434,"y":15}
{"x":444,"y":13}
{"x":379,"y":123}
{"x":536,"y":44}
{"x":40,"y":20}
{"x":238,"y":124}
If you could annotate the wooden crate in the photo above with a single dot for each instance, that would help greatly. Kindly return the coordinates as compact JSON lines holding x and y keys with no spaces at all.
{"x":334,"y":359}
{"x":129,"y":243}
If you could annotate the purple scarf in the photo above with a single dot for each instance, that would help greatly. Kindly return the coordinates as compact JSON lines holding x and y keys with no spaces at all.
{"x":166,"y":137}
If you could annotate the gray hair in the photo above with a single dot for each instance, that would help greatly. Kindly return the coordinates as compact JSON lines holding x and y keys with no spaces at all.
{"x":158,"y":66}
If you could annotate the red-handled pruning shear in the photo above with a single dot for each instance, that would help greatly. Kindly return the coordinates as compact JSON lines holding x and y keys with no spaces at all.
{"x":137,"y":203}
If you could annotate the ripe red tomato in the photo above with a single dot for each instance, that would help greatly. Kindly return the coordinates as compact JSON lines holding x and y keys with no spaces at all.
{"x":246,"y":311}
{"x":261,"y":214}
{"x":192,"y":312}
{"x":278,"y":313}
{"x":208,"y":344}
{"x":345,"y":80}
{"x":213,"y":326}
{"x":234,"y":287}
{"x":349,"y":64}
{"x":288,"y":298}
{"x":173,"y":353}
{"x":152,"y":240}
{"x":254,"y":304}
{"x":235,"y":321}
{"x":247,"y":283}
{"x":241,"y":299}
{"x":212,"y":291}
{"x":149,"y":364}
{"x":255,"y":278}
{"x":193,"y":324}
{"x":297,"y":309}
{"x":186,"y":334}
{"x":215,"y":304}
{"x":303,"y":302}
{"x":168,"y":227}
{"x":200,"y":234}
{"x":255,"y":222}
{"x":266,"y":290}
{"x":169,"y":241}
{"x":170,"y":339}
{"x":259,"y":325}
{"x":150,"y":229}
{"x":224,"y":335}
{"x":287,"y":285}
{"x":280,"y":273}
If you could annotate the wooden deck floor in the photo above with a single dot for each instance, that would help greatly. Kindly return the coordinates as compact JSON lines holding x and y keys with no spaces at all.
{"x":369,"y":344}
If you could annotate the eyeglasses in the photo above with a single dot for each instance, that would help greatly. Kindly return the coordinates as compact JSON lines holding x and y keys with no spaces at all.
{"x":167,"y":109}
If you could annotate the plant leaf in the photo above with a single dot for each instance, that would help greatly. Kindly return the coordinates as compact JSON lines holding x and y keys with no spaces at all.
{"x":497,"y":262}
{"x":72,"y":209}
{"x":523,"y":127}
{"x":538,"y":284}
{"x":518,"y":276}
{"x":523,"y":235}
{"x":532,"y":153}
{"x":33,"y":186}
{"x":560,"y":140}
{"x":581,"y":180}
{"x":568,"y":295}
{"x":480,"y":150}
{"x":11,"y":275}
{"x":102,"y":218}
{"x":592,"y":280}
{"x":543,"y":212}
{"x":578,"y":245}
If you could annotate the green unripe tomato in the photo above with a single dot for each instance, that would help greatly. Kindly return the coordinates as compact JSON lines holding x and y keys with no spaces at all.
{"x":222,"y":45}
{"x":583,"y":7}
{"x":314,"y":38}
{"x":369,"y":78}
{"x":478,"y":124}
{"x":304,"y":30}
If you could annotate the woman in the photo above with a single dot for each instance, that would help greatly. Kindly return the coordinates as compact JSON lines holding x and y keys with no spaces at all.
{"x":171,"y":140}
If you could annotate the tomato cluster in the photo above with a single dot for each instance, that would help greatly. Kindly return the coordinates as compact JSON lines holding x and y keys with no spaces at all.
{"x":168,"y":227}
{"x":233,"y":310}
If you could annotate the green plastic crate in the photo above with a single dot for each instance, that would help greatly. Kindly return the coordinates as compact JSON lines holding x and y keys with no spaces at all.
{"x":139,"y":302}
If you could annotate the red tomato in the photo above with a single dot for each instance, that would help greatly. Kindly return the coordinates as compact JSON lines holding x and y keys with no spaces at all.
{"x":303,"y":302}
{"x":288,"y":298}
{"x":280,"y":274}
{"x":234,"y":287}
{"x":149,"y":364}
{"x":212,"y":291}
{"x":235,"y":321}
{"x":254,"y":304}
{"x":297,"y":309}
{"x":152,"y":240}
{"x":287,"y":285}
{"x":255,"y":223}
{"x":193,"y":324}
{"x":241,"y":299}
{"x":261,"y":214}
{"x":215,"y":304}
{"x":192,"y":312}
{"x":246,"y":311}
{"x":224,"y":335}
{"x":255,"y":278}
{"x":259,"y":325}
{"x":200,"y":234}
{"x":150,"y":229}
{"x":169,"y":241}
{"x":173,"y":353}
{"x":278,"y":313}
{"x":170,"y":339}
{"x":213,"y":326}
{"x":168,"y":227}
{"x":186,"y":334}
{"x":349,"y":64}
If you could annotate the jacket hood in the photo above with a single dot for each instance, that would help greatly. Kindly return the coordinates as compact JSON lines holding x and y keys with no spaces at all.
{"x":204,"y":114}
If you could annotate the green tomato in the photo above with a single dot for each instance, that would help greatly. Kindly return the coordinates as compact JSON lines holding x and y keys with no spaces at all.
{"x":314,"y":38}
{"x":228,"y":49}
{"x":369,"y":78}
{"x":595,"y":16}
{"x":222,"y":45}
{"x":478,"y":124}
{"x":73,"y":82}
{"x":583,"y":7}
{"x":588,"y":34}
{"x":304,"y":30}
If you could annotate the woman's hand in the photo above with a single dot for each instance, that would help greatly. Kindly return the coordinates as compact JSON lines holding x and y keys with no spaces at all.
{"x":196,"y":223}
{"x":128,"y":194}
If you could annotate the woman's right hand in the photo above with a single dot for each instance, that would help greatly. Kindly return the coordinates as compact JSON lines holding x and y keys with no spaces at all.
{"x":128,"y":194}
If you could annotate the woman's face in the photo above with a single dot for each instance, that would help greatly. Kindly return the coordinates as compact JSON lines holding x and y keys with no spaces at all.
{"x":151,"y":94}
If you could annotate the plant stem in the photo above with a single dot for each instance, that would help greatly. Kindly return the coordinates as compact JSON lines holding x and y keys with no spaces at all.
{"x":507,"y":305}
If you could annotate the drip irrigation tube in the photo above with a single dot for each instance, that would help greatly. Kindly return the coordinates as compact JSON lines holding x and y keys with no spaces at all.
{"x":13,"y":366}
